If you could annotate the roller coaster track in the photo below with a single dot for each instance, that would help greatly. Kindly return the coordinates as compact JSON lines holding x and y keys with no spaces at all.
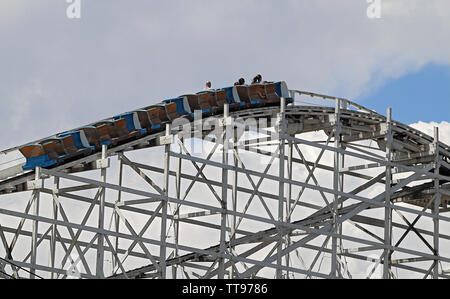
{"x":415,"y":177}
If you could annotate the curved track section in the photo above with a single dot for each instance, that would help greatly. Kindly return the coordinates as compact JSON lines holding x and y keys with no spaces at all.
{"x":272,"y":193}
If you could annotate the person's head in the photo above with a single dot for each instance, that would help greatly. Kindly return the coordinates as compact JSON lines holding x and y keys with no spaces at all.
{"x":208,"y":84}
{"x":241,"y":81}
{"x":257,"y":79}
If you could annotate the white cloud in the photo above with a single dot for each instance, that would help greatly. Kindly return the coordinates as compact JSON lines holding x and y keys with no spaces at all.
{"x":428,"y":128}
{"x":115,"y":59}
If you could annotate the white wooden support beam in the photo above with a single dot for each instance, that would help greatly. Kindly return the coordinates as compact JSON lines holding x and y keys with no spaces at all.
{"x":437,"y":202}
{"x":388,"y":210}
{"x":281,"y":129}
{"x":101,"y":216}
{"x":163,"y":248}
{"x":223,"y":221}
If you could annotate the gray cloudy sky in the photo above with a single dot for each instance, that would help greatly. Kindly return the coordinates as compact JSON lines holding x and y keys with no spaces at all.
{"x":58,"y":73}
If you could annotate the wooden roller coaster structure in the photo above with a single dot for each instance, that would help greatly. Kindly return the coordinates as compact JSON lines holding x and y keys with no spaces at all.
{"x":324,"y":191}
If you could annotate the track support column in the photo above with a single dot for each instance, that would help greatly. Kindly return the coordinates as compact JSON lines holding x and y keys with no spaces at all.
{"x":281,"y":130}
{"x":234,"y":197}
{"x":288,"y":200}
{"x":176,"y":222}
{"x":55,"y":217}
{"x":163,"y":248}
{"x":223,"y":222}
{"x":388,"y":210}
{"x":103,"y":164}
{"x":342,"y":264}
{"x":437,"y":203}
{"x":38,"y":183}
{"x":115,"y":265}
{"x":336,"y":178}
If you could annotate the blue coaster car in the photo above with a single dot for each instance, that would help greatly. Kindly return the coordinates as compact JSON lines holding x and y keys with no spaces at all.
{"x":36,"y":157}
{"x":231,"y":96}
{"x":183,"y":107}
{"x":132,"y":122}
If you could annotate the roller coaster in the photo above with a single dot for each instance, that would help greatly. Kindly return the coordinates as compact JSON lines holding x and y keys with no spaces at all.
{"x":288,"y":184}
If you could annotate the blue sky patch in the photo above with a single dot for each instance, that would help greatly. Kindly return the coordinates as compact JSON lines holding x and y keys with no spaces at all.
{"x":420,"y":96}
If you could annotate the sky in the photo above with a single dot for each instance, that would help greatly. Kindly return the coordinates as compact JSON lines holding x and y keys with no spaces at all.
{"x":58,"y":73}
{"x":423,"y":95}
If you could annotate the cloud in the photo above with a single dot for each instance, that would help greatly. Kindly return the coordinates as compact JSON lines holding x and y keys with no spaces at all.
{"x":115,"y":59}
{"x":428,"y":128}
